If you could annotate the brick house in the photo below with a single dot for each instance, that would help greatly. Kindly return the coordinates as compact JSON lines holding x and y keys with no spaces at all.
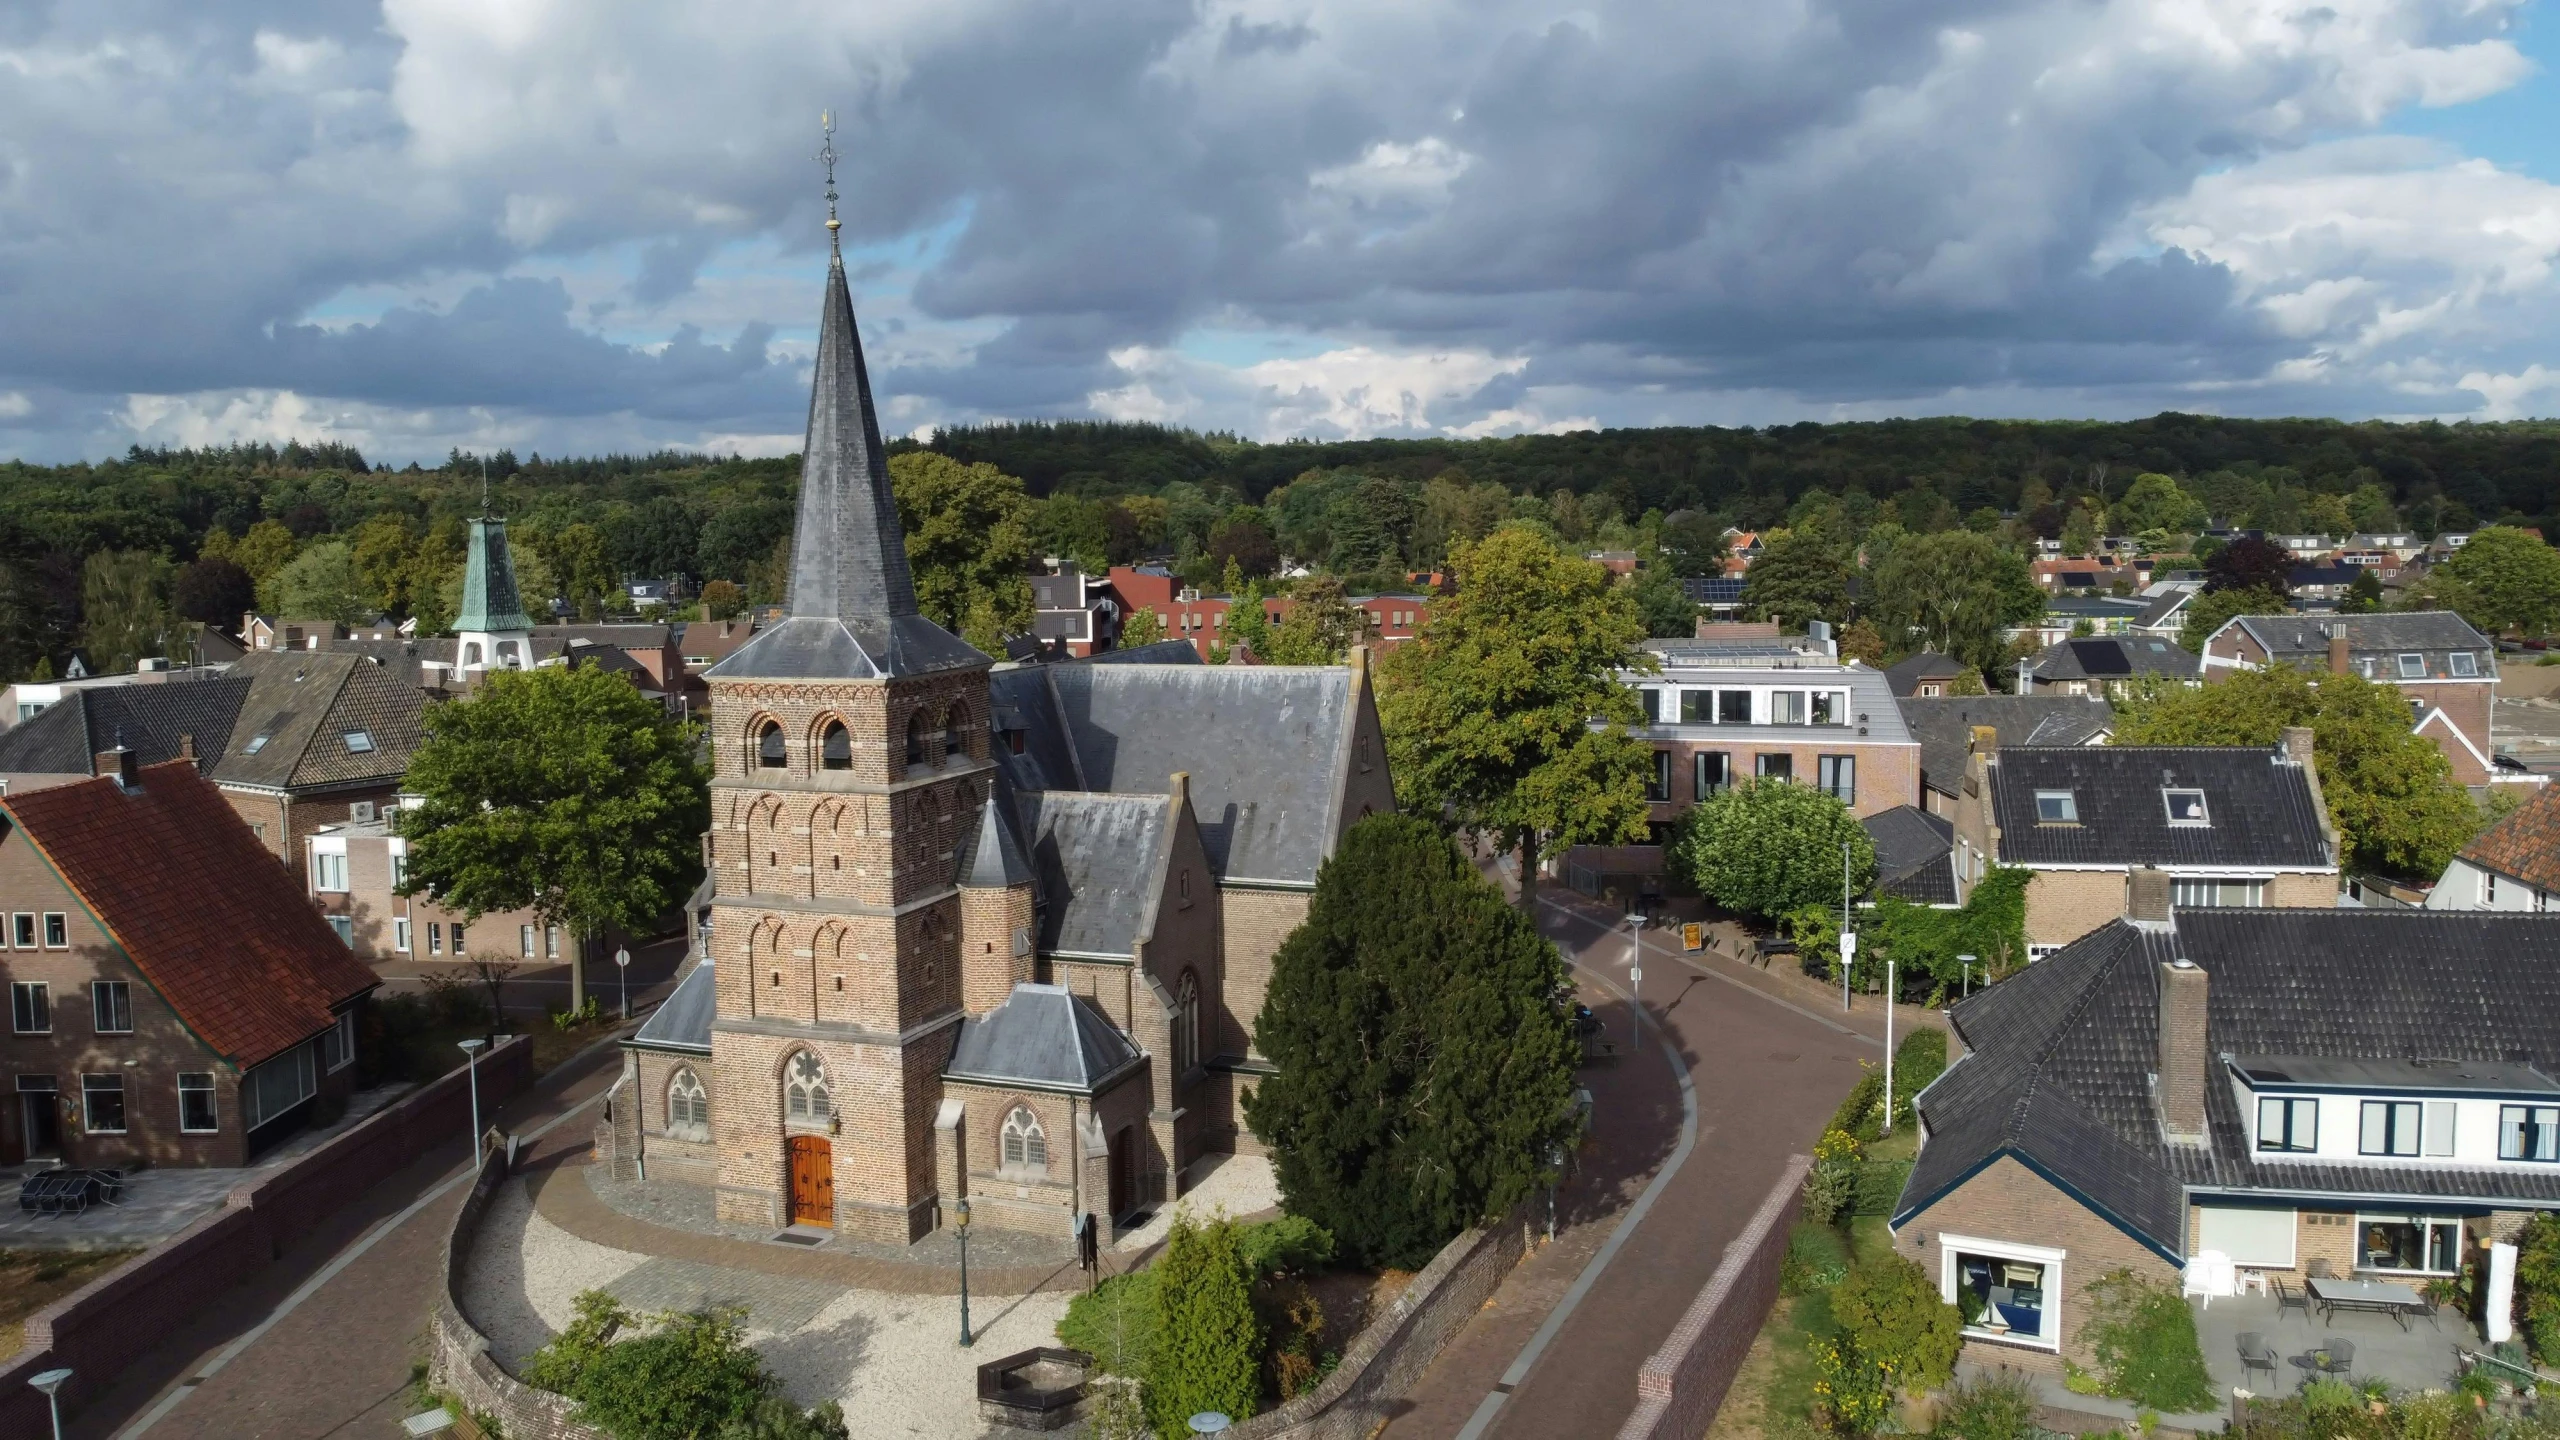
{"x":2512,"y":865}
{"x":295,"y":739}
{"x":1944,"y":727}
{"x":2283,"y":1087}
{"x":2446,"y":670}
{"x":173,"y":999}
{"x":996,"y":934}
{"x":353,"y":872}
{"x":2232,"y":825}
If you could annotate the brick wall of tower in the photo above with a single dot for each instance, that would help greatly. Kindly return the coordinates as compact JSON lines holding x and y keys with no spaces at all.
{"x":992,"y":921}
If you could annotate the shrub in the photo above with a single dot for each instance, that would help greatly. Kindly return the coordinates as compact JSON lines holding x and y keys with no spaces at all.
{"x":1115,"y":1323}
{"x":1892,"y":1312}
{"x":1876,"y":1185}
{"x":1851,"y":1388}
{"x":2538,"y":1284}
{"x":1919,"y":1059}
{"x":1994,"y":1405}
{"x":1856,"y":1115}
{"x":691,"y":1375}
{"x":2143,"y":1338}
{"x":1833,"y":1183}
{"x":1208,"y":1353}
{"x":1816,"y":1259}
{"x":1292,"y":1245}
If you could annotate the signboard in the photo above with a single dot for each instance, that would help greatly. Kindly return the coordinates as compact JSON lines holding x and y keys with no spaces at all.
{"x":1693,"y":936}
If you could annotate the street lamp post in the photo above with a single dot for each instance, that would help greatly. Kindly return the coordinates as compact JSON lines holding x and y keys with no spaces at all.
{"x":1967,"y":962}
{"x":622,"y":965}
{"x":962,"y":1229}
{"x":1848,"y":941}
{"x":471,"y":1050}
{"x":1635,"y":976}
{"x":49,"y":1382}
{"x":1887,"y":1127}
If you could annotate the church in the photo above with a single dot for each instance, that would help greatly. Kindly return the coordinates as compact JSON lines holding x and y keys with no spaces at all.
{"x":982,"y":931}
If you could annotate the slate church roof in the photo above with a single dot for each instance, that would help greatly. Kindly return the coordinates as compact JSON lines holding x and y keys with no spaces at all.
{"x":2062,"y":1054}
{"x":851,"y":612}
{"x":684,"y":1021}
{"x":1043,"y":1036}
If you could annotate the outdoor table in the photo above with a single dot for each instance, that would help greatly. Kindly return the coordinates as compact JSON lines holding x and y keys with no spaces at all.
{"x":2378,"y":1297}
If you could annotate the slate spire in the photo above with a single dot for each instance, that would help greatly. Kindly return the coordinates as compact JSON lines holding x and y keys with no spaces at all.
{"x":848,"y":557}
{"x":994,"y":859}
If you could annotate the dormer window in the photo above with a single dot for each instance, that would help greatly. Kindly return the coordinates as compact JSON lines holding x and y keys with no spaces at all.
{"x":2057,"y":807}
{"x":2529,"y":1132}
{"x":359,"y":742}
{"x":2413,"y":667}
{"x":2285,"y":1123}
{"x":2465,"y":665}
{"x":2186,"y":807}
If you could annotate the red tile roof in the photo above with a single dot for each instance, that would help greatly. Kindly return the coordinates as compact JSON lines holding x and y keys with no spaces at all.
{"x":2526,"y":844}
{"x":221,"y":930}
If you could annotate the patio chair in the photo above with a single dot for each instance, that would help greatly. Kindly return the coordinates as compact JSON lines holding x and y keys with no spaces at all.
{"x":2342,"y":1358}
{"x":2289,"y":1298}
{"x":2256,"y":1354}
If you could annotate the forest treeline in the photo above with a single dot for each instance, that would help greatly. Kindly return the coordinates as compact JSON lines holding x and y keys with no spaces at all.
{"x":86,"y":548}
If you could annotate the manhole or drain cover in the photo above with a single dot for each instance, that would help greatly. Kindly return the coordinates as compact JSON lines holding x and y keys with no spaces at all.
{"x":798,"y":1237}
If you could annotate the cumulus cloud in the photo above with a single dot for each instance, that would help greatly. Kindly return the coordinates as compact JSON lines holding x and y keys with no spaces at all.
{"x":428,"y":218}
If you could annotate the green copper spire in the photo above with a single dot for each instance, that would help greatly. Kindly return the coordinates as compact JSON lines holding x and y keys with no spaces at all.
{"x":489,"y":603}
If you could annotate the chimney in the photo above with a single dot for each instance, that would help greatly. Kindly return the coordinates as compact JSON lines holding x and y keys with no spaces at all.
{"x":2295,"y":742}
{"x":2338,"y":648}
{"x":116,"y":765}
{"x":187,"y":748}
{"x":2147,"y":898}
{"x":1986,"y":740}
{"x":2184,"y":988}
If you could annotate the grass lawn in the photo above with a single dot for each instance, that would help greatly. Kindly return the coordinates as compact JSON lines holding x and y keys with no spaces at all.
{"x":1772,"y":1395}
{"x":32,"y":1279}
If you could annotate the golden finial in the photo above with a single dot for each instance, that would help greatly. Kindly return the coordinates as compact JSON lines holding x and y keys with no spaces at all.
{"x":827,"y":157}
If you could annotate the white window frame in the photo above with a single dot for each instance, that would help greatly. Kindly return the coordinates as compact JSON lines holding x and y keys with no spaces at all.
{"x":2070,"y":814}
{"x":338,"y":1045}
{"x":2356,"y":1256}
{"x":680,"y":1125}
{"x":359,"y":742}
{"x":88,"y":1113}
{"x":2201,"y":820}
{"x":57,"y":924}
{"x":2464,"y":665}
{"x":435,"y":937}
{"x":212,"y":1100}
{"x":2413,"y":667}
{"x":328,"y":872}
{"x":22,"y":930}
{"x":400,"y":934}
{"x":100,"y":1013}
{"x":2054,"y":1260}
{"x":524,"y":941}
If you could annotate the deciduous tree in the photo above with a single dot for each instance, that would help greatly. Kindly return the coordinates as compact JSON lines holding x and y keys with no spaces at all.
{"x":124,"y":608}
{"x":1425,"y":1058}
{"x":1660,"y":599}
{"x":321,"y":584}
{"x":214,"y":590}
{"x":2154,"y":502}
{"x":1954,"y":592}
{"x":1802,"y":574}
{"x":1320,"y":628}
{"x":2212,"y":609}
{"x":2514,"y":577}
{"x":1507,"y":714}
{"x":1768,"y":847}
{"x":2250,"y":563}
{"x":968,"y":545}
{"x":562,"y":790}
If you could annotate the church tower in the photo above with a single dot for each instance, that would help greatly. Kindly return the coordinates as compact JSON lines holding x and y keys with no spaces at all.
{"x":849,"y":746}
{"x":492,"y":632}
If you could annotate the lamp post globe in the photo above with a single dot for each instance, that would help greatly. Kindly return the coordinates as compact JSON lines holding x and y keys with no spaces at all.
{"x":48,"y":1382}
{"x":622,"y":968}
{"x":1210,"y":1422}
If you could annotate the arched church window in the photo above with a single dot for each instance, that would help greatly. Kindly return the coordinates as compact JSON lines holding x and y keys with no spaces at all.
{"x":1186,"y":1024}
{"x":835,"y":747}
{"x":804,"y":1088}
{"x":915,"y":738}
{"x":955,"y":731}
{"x":1026,"y":1145}
{"x":688,"y":1105}
{"x":770,"y":753}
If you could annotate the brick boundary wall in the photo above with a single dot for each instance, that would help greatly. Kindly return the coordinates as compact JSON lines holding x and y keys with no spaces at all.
{"x":1387,"y":1357}
{"x":462,"y":1366}
{"x":112,"y":1321}
{"x":1681,"y":1386}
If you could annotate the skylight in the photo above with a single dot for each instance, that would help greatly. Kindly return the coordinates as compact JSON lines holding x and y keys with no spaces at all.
{"x":2057,"y":807}
{"x":359,"y":742}
{"x":2186,"y":807}
{"x":2413,"y":667}
{"x":256,"y":744}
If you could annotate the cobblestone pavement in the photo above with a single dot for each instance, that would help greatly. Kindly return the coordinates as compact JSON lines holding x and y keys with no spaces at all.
{"x":893,"y":1359}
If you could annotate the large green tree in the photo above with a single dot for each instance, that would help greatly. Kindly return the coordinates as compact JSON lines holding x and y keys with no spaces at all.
{"x":2513,"y":577}
{"x":968,"y":545}
{"x":1771,"y":847}
{"x":1954,"y":592}
{"x":1802,"y":574}
{"x":1662,"y":600}
{"x":562,"y":790}
{"x":1425,"y":1060}
{"x":2390,"y":791}
{"x":1320,"y":628}
{"x":2154,"y":502}
{"x":124,"y":609}
{"x":1507,"y":714}
{"x":321,"y":583}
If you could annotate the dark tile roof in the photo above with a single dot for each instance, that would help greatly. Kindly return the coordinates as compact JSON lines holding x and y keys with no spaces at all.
{"x":2063,"y":1053}
{"x":217,"y":927}
{"x":684,"y":1021}
{"x":2387,"y":635}
{"x":2259,"y":806}
{"x":1046,"y":1036}
{"x":2524,"y":844}
{"x":2162,"y":607}
{"x":1264,"y":745}
{"x":1915,"y":854}
{"x":1095,"y":857}
{"x":149,"y":720}
{"x":306,"y":704}
{"x":1944,"y":727}
{"x":1905,"y":675}
{"x":2111,"y":657}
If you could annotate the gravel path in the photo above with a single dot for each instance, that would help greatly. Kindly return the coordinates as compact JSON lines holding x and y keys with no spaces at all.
{"x":894,"y":1361}
{"x":1241,"y":1185}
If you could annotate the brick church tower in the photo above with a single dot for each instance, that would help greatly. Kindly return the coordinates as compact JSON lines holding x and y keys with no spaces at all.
{"x":850,"y":760}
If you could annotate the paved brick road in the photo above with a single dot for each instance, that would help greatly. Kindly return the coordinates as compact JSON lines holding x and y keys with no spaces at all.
{"x":1766,"y":1073}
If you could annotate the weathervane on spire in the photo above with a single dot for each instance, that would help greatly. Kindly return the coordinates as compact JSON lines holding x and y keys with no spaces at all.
{"x":827,"y":157}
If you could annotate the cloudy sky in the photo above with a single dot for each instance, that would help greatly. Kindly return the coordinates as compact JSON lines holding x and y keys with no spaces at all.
{"x":578,"y":225}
